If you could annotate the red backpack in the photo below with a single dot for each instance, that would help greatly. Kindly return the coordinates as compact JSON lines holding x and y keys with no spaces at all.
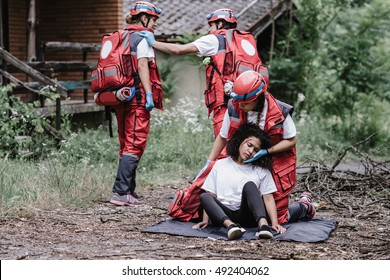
{"x":241,"y":55}
{"x":185,"y":204}
{"x":115,"y":68}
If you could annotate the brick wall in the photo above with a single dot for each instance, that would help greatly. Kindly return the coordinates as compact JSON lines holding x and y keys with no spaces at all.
{"x":78,"y":21}
{"x":83,"y":21}
{"x":17,"y":30}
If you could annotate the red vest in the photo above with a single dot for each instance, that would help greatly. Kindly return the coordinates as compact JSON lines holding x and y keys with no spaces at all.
{"x":214,"y":95}
{"x":284,"y":163}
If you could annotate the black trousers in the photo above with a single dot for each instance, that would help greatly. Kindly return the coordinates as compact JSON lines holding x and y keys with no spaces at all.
{"x":251,"y":208}
{"x":125,"y":177}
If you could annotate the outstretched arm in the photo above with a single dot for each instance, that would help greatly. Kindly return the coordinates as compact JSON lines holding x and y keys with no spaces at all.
{"x":168,"y":47}
{"x":176,"y":49}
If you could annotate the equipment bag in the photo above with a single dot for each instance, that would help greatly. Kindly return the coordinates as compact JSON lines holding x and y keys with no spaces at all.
{"x":241,"y":55}
{"x":115,"y":69}
{"x":185,"y":204}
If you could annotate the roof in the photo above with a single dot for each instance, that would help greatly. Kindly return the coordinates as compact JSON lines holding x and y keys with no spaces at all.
{"x":189,"y":16}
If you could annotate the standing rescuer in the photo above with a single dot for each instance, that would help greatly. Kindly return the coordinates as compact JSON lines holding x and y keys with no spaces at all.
{"x":214,"y":48}
{"x":133,"y":116}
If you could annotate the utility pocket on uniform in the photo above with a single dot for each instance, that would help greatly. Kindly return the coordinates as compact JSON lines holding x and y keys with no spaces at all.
{"x":219,"y":118}
{"x":276,"y":134}
{"x":141,"y":129}
{"x":157,"y":94}
{"x":286,"y":177}
{"x":210,"y":95}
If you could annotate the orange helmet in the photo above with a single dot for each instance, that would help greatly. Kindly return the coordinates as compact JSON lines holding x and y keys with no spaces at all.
{"x":222,"y":14}
{"x":144,"y":7}
{"x":248,"y":86}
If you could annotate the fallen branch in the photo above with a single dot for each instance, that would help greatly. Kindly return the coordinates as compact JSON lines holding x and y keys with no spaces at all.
{"x":337,"y":162}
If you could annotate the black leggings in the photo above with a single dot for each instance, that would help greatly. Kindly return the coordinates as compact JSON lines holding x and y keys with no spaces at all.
{"x":251,"y":209}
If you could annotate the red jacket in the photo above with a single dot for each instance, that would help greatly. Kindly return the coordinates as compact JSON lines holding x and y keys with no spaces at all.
{"x":284,"y":163}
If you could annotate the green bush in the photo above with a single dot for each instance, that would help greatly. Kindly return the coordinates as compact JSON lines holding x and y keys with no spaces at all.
{"x":23,"y":132}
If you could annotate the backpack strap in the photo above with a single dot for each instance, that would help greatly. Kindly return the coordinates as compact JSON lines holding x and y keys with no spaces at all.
{"x":287,"y":109}
{"x":107,"y":111}
{"x":221,"y":46}
{"x":137,"y":87}
{"x":135,"y":39}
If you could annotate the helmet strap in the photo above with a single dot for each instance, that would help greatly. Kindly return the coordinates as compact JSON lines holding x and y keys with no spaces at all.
{"x":260,"y":103}
{"x":217,"y":24}
{"x":147,"y":23}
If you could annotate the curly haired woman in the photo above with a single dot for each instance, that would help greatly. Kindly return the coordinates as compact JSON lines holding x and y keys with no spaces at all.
{"x":238,"y":193}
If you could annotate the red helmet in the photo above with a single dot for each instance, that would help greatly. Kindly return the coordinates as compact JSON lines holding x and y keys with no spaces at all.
{"x":248,"y":86}
{"x":222,"y":14}
{"x":144,"y":7}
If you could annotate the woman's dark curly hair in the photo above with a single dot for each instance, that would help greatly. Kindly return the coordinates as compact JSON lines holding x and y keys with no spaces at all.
{"x":243,"y":132}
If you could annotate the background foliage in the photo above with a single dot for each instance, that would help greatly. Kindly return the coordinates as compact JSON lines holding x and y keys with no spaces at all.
{"x":332,"y":65}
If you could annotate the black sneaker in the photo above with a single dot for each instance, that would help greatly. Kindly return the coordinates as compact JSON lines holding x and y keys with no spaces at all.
{"x":264,"y":232}
{"x":235,"y":231}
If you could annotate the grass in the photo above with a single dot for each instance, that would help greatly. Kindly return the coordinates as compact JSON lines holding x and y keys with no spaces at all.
{"x":50,"y":184}
{"x":83,"y":169}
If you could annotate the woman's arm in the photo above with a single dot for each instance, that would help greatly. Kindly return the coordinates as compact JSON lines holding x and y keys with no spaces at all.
{"x":284,"y":145}
{"x":143,"y":72}
{"x":270,"y":205}
{"x":204,"y":222}
{"x":219,"y":144}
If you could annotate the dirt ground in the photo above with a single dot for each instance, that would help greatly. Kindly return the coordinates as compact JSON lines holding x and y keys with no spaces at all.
{"x":104,"y":231}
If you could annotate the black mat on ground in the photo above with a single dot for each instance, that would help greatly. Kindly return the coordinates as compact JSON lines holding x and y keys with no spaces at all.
{"x":316,"y":230}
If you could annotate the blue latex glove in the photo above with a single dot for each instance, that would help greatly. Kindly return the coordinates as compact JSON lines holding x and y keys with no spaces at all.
{"x":148,"y":36}
{"x":233,"y":95}
{"x":259,"y":154}
{"x":203,"y":169}
{"x":149,"y":101}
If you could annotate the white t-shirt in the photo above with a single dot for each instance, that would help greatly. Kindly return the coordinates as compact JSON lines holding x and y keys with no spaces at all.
{"x":207,"y":45}
{"x":227,"y":180}
{"x":143,"y":50}
{"x":289,"y":129}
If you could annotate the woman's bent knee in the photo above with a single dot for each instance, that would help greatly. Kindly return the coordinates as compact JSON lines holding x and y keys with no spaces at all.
{"x":205,"y":197}
{"x":249,"y":185}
